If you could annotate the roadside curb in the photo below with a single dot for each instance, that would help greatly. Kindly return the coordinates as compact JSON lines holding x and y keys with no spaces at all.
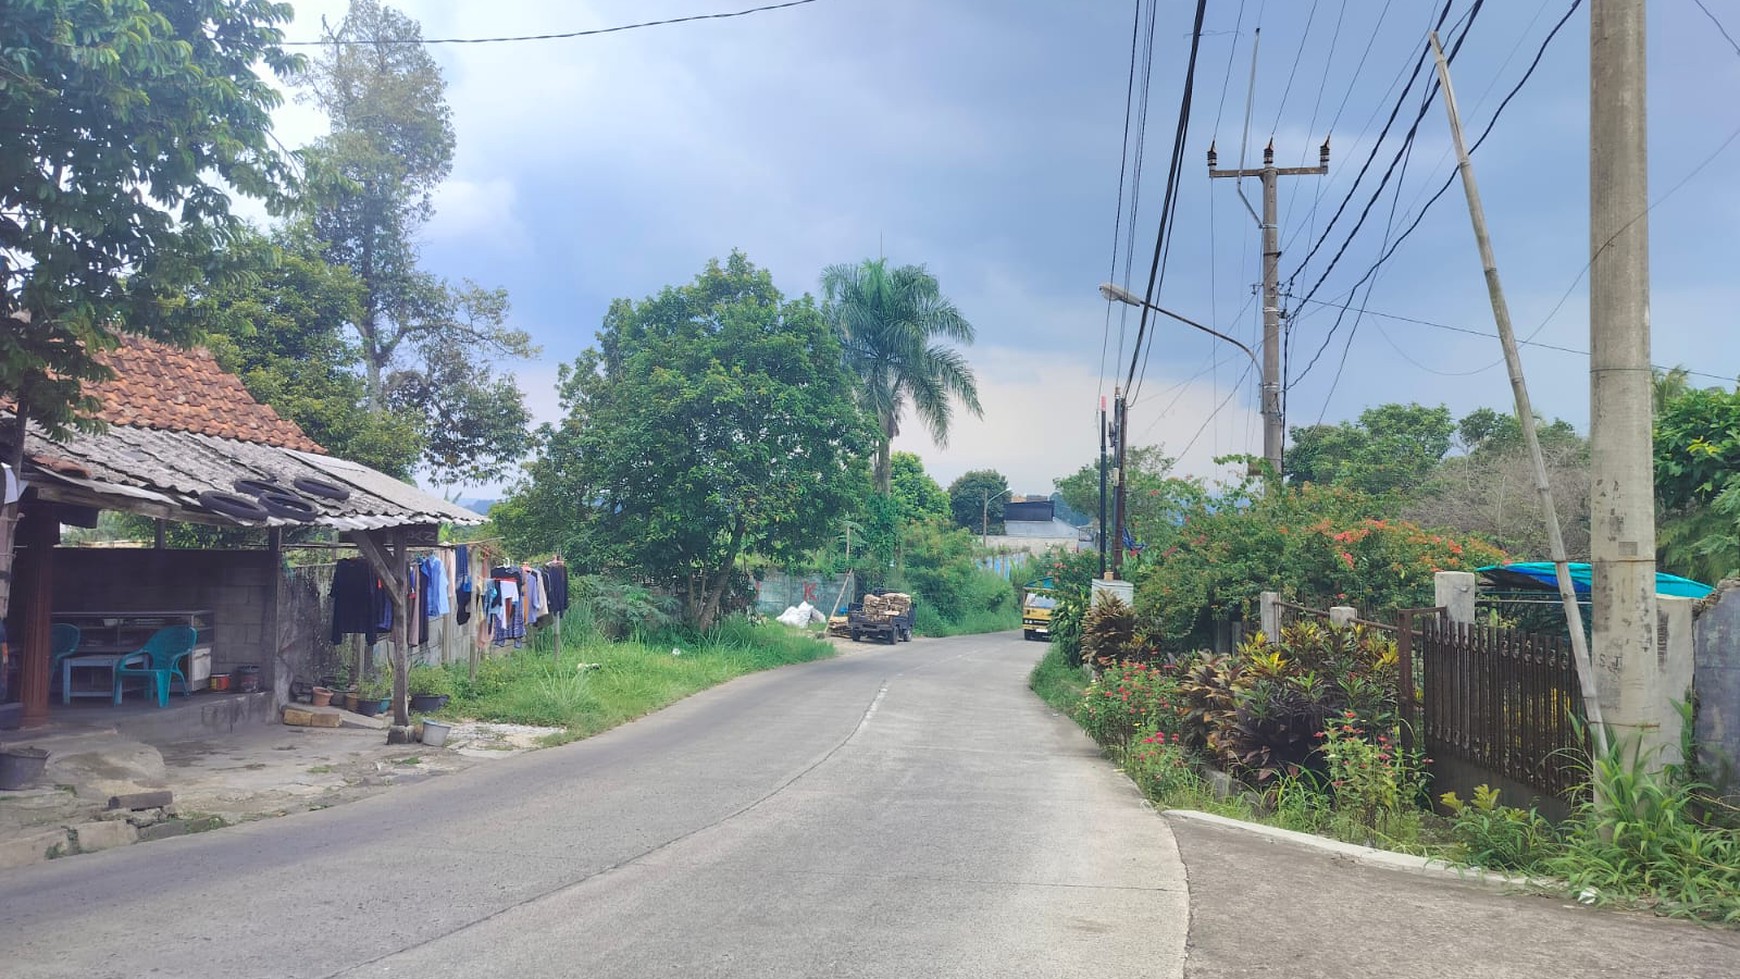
{"x":1366,"y":856}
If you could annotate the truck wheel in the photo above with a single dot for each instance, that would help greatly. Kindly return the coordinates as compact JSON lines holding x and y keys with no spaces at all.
{"x":1027,"y":634}
{"x":854,"y":635}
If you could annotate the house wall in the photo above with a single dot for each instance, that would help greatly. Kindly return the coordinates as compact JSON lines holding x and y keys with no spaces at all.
{"x":1716,"y":685}
{"x":235,"y":585}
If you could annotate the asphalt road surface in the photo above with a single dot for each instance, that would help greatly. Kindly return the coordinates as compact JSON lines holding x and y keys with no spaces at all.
{"x":909,"y":811}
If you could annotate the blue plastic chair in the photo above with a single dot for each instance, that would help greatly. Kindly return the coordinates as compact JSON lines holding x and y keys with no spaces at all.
{"x":159,"y":660}
{"x":63,"y":642}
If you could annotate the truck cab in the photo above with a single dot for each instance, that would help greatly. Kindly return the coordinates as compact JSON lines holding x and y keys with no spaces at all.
{"x":1036,"y":609}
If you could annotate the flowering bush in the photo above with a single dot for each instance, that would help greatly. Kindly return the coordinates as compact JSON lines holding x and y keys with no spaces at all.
{"x":1159,"y":764}
{"x":1321,"y":546}
{"x":1373,"y":781}
{"x":1128,"y":699}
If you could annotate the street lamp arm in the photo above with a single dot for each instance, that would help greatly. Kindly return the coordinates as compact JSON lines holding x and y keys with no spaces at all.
{"x":1114,"y":293}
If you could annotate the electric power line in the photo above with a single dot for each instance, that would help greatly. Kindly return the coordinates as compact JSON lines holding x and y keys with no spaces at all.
{"x":1725,"y":35}
{"x":1118,"y":219}
{"x":328,"y":42}
{"x":1170,"y":201}
{"x":1470,"y":331}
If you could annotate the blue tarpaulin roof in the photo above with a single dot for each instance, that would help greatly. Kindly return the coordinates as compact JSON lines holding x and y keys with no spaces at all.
{"x":1540,"y":574}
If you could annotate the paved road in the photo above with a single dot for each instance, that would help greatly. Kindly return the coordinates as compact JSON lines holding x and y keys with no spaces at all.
{"x":898,"y":812}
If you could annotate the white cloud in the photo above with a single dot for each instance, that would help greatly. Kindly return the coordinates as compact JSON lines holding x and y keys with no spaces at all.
{"x":478,"y":211}
{"x":1042,"y":421}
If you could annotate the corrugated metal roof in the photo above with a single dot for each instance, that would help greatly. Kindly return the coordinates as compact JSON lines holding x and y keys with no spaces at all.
{"x":127,"y":464}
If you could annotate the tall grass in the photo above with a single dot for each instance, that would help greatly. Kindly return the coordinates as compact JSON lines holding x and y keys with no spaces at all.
{"x":1057,"y":683}
{"x":631,"y":678}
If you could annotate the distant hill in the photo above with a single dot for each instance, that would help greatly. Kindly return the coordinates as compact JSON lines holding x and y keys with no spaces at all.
{"x":480,"y":507}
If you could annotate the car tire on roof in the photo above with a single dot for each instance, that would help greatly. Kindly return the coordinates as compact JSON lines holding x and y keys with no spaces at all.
{"x":321,"y":488}
{"x":260,"y":487}
{"x":288,"y":506}
{"x":234,"y":506}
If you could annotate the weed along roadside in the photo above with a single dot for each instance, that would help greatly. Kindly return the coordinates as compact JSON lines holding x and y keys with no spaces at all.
{"x":1301,"y":733}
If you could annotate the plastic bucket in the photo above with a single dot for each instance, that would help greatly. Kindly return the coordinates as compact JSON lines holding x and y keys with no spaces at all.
{"x":246,"y":678}
{"x":435,"y":733}
{"x":21,"y":766}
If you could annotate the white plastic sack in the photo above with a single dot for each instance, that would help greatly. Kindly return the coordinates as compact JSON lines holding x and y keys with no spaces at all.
{"x":797,"y":615}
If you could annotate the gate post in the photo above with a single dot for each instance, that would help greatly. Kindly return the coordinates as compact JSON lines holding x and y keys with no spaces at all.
{"x":1405,"y":678}
{"x":1269,"y":614}
{"x":1454,"y":590}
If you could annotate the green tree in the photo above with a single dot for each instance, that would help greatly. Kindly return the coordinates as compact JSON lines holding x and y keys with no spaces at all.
{"x":428,"y":345}
{"x":894,"y":324}
{"x":1697,"y":483}
{"x":1155,"y":501}
{"x":280,"y":325}
{"x":123,"y":124}
{"x":918,"y":496}
{"x":1389,"y":450}
{"x":711,"y":421}
{"x":976,"y":500}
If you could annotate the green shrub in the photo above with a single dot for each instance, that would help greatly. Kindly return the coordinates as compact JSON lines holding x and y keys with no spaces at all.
{"x":620,"y":609}
{"x":431,"y":681}
{"x":1058,"y":682}
{"x":1108,"y":633}
{"x":1500,"y":837}
{"x":1160,"y":766}
{"x":1128,"y":700}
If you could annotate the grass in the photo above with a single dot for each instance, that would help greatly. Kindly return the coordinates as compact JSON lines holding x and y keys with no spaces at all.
{"x":1057,"y":683}
{"x":631,"y":679}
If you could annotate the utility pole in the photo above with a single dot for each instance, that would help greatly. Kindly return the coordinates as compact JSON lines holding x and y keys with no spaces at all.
{"x":1525,"y":412}
{"x":1273,"y":424}
{"x":1102,"y":486}
{"x":1622,"y":497}
{"x":1120,"y":441}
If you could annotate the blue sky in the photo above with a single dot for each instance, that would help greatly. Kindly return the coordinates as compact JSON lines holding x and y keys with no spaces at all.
{"x":983,"y":140}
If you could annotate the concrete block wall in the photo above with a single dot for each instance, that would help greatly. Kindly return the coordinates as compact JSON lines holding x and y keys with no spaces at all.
{"x":1716,"y":685}
{"x":237,"y":586}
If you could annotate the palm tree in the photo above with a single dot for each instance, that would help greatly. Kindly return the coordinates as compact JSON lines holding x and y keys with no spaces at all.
{"x":890,"y":322}
{"x":1668,"y":385}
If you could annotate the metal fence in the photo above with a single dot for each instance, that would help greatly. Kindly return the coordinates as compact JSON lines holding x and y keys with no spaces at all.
{"x":1503,"y":700}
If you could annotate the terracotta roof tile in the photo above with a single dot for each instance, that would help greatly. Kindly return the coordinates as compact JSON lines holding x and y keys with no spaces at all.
{"x":184,"y":390}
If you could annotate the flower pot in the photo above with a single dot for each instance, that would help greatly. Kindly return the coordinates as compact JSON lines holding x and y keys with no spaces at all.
{"x":435,"y":733}
{"x":21,"y":766}
{"x":322,"y":697}
{"x":370,"y":706}
{"x":428,"y":703}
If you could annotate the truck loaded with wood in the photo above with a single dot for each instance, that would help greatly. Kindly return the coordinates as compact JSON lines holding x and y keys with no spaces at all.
{"x":885,"y":616}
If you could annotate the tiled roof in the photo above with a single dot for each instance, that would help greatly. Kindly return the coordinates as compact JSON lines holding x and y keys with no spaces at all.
{"x":184,"y":390}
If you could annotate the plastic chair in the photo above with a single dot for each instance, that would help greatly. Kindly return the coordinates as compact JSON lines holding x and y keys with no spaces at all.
{"x":159,"y":660}
{"x":63,"y":642}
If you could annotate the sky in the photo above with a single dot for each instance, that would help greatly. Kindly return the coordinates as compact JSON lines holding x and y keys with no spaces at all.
{"x":985,"y":141}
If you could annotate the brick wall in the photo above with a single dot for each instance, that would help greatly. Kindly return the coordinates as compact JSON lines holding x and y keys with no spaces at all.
{"x":234,"y":585}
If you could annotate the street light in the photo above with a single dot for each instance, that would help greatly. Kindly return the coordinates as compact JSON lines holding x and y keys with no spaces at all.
{"x":1118,"y":294}
{"x":985,"y":515}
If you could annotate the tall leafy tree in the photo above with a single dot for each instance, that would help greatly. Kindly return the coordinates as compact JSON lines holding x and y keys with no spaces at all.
{"x":976,"y":499}
{"x":1390,"y":449}
{"x":895,"y":324}
{"x":1155,"y":501}
{"x":916,"y":494}
{"x":1697,"y":483}
{"x":121,"y":124}
{"x":279,"y":324}
{"x":712,"y":420}
{"x":428,"y":345}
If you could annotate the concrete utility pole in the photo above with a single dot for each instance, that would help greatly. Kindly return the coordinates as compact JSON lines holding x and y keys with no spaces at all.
{"x":1273,"y":425}
{"x":1102,"y":485}
{"x":1120,"y":443}
{"x":1622,"y":496}
{"x":1525,"y":412}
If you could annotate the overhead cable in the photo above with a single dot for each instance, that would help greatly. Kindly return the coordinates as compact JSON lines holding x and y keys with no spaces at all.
{"x":328,"y":42}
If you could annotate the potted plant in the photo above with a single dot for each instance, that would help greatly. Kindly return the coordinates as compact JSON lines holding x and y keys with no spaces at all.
{"x":430,"y":687}
{"x":374,"y":695}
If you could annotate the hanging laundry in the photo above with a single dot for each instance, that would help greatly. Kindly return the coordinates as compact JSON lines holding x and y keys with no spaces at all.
{"x":462,"y":587}
{"x":556,"y":576}
{"x":356,"y":601}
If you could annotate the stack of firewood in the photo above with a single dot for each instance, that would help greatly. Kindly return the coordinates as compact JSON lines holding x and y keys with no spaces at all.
{"x":887,"y":606}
